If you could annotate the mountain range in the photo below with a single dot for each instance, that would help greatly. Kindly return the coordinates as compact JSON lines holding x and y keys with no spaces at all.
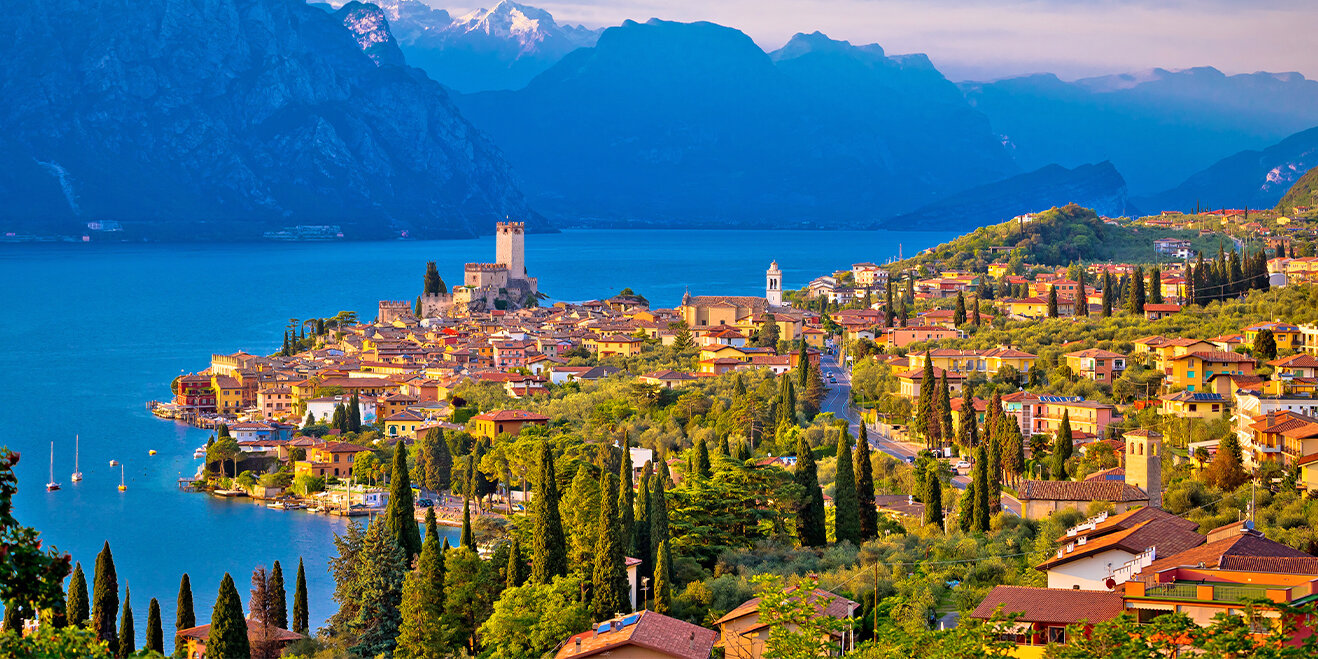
{"x":694,"y":124}
{"x":1250,"y":178}
{"x":224,"y":118}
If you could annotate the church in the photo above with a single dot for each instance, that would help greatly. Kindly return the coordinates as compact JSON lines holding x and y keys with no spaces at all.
{"x":745,"y":312}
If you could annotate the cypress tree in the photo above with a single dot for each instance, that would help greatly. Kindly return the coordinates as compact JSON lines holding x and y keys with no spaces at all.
{"x":627,"y":498}
{"x":550,"y":557}
{"x":701,"y":466}
{"x":864,"y":468}
{"x":980,"y":482}
{"x":311,"y":419}
{"x":933,"y":504}
{"x":1062,"y":447}
{"x":515,"y":574}
{"x":966,"y":509}
{"x":127,"y":637}
{"x":184,"y":617}
{"x":155,"y":632}
{"x":105,"y":599}
{"x":959,"y":313}
{"x":1135,"y":297}
{"x":888,"y":311}
{"x":924,"y":404}
{"x":420,"y":634}
{"x":995,"y":460}
{"x":1155,"y":285}
{"x":1107,"y":294}
{"x":1081,"y":296}
{"x":76,"y":607}
{"x":802,"y":369}
{"x":1052,"y":301}
{"x":846,"y":502}
{"x":644,"y":549}
{"x":810,"y":512}
{"x":609,"y":584}
{"x":466,"y":539}
{"x":399,"y":513}
{"x":967,"y":416}
{"x":975,"y":317}
{"x":228,"y":635}
{"x":945,"y":409}
{"x":663,"y":587}
{"x":659,"y":509}
{"x":300,"y":615}
{"x":355,"y":414}
{"x":278,"y":597}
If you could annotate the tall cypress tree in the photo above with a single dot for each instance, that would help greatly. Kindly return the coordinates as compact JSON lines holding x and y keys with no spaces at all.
{"x":700,"y":466}
{"x":965,"y":432}
{"x":1062,"y":447}
{"x":278,"y":597}
{"x":802,"y":369}
{"x":864,"y":468}
{"x":810,"y":529}
{"x":981,"y":515}
{"x":609,"y":581}
{"x":550,"y":557}
{"x":355,"y":414}
{"x":933,"y":504}
{"x":228,"y":635}
{"x":925,"y":403}
{"x":399,"y":513}
{"x":300,"y":615}
{"x":1052,"y":301}
{"x":1081,"y":296}
{"x":420,"y":634}
{"x":1155,"y":285}
{"x":945,"y":409}
{"x":76,"y":606}
{"x":105,"y":599}
{"x":659,"y":509}
{"x":155,"y":631}
{"x":127,"y":635}
{"x":663,"y":586}
{"x":515,"y":573}
{"x":627,"y":499}
{"x":974,"y":316}
{"x":644,"y":550}
{"x":1107,"y":294}
{"x":184,"y":617}
{"x":959,"y":312}
{"x":888,"y":311}
{"x":466,"y":539}
{"x":846,"y":504}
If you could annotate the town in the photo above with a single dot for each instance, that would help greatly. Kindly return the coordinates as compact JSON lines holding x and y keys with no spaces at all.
{"x":1002,"y":443}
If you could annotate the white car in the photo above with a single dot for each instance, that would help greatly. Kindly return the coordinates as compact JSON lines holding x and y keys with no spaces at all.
{"x":963,"y":466}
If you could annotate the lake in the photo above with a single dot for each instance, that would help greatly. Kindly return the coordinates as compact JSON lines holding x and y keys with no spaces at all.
{"x":90,"y":332}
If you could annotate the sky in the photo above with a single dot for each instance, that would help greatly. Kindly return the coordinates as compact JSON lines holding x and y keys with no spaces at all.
{"x":986,"y":39}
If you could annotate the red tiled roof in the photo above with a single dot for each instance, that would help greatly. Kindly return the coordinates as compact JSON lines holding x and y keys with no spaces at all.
{"x":838,"y":606}
{"x":1062,"y":606}
{"x":255,"y":632}
{"x":1244,"y":543}
{"x":1274,"y":564}
{"x":653,"y":631}
{"x":1081,"y":491}
{"x":510,"y":415}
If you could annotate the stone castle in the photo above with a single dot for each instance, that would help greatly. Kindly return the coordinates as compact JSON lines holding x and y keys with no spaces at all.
{"x":485,"y":286}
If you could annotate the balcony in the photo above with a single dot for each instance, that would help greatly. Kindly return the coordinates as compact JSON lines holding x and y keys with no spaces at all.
{"x":1208,"y":592}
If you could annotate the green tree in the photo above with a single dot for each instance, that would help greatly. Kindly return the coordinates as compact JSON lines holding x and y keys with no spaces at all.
{"x":959,"y":311}
{"x":421,"y":632}
{"x":467,"y":601}
{"x":659,"y":510}
{"x":127,"y":635}
{"x":1052,"y":301}
{"x":846,"y":503}
{"x":1082,"y":295}
{"x":399,"y":513}
{"x":933,"y":504}
{"x":864,"y":469}
{"x":767,"y":337}
{"x":185,"y":617}
{"x":945,"y":409}
{"x":627,"y":499}
{"x":432,"y":462}
{"x":1135,"y":294}
{"x":550,"y":547}
{"x":278,"y":597}
{"x":982,"y":510}
{"x":810,"y":511}
{"x":799,"y":627}
{"x":300,"y":615}
{"x":1155,"y":285}
{"x":532,"y":620}
{"x":1062,"y":447}
{"x":924,"y":407}
{"x":77,"y":607}
{"x":228,"y":633}
{"x":433,"y":284}
{"x":1107,"y":294}
{"x":155,"y":631}
{"x":380,"y":573}
{"x":609,"y":584}
{"x":516,"y":571}
{"x":355,"y":414}
{"x":975,"y":316}
{"x":700,"y":459}
{"x":663,"y":577}
{"x":105,"y":599}
{"x":683,"y":340}
{"x":643,"y":547}
{"x":1265,"y":344}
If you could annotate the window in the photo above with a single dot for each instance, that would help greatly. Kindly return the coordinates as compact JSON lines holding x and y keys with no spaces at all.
{"x":1057,"y":635}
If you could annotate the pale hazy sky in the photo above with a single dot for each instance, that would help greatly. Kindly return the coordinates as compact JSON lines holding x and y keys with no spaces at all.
{"x":978,"y":39}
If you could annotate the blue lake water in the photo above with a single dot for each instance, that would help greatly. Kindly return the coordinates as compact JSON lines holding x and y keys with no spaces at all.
{"x":90,"y":332}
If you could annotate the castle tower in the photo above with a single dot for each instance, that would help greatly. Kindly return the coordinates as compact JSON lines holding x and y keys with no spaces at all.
{"x":1144,"y":463}
{"x":510,"y":248}
{"x":773,"y":285}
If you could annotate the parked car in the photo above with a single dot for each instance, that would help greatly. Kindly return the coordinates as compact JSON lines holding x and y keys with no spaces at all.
{"x":963,"y":466}
{"x":425,"y":503}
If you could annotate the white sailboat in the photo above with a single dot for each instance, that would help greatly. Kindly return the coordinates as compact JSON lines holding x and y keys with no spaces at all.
{"x":77,"y":475}
{"x":52,"y":485}
{"x":122,"y":487}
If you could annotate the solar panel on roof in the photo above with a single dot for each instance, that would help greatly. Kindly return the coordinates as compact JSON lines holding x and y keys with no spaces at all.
{"x":629,"y":620}
{"x":1206,"y":396}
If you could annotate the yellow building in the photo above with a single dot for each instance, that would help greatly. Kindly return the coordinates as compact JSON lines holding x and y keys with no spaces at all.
{"x":501,"y":422}
{"x":1188,"y":405}
{"x":328,"y":459}
{"x":228,"y":394}
{"x":988,"y":362}
{"x":1309,"y":472}
{"x":619,"y":344}
{"x":814,"y":337}
{"x":403,"y":424}
{"x":1191,"y":371}
{"x":1287,"y":336}
{"x":710,"y":310}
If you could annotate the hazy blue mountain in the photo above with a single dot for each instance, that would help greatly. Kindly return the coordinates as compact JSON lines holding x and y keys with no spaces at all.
{"x":502,"y":47}
{"x":1257,"y":179}
{"x":692,"y":123}
{"x":202,"y":118}
{"x":1156,"y":127}
{"x":1097,"y":186}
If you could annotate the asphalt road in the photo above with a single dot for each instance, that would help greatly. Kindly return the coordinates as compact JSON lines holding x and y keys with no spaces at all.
{"x":838,"y":401}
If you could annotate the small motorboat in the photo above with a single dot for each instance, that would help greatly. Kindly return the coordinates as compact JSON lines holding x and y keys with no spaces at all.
{"x":52,"y":485}
{"x":151,"y":452}
{"x":200,"y":453}
{"x":122,"y":487}
{"x":114,"y":463}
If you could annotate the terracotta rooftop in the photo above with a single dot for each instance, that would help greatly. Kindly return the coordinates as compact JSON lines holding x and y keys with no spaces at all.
{"x":1062,"y":606}
{"x":838,"y":606}
{"x":648,"y":630}
{"x":1244,"y":543}
{"x":510,"y":415}
{"x":1082,"y":491}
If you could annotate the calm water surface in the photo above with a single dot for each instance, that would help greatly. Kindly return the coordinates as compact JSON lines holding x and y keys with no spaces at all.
{"x":90,"y":332}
